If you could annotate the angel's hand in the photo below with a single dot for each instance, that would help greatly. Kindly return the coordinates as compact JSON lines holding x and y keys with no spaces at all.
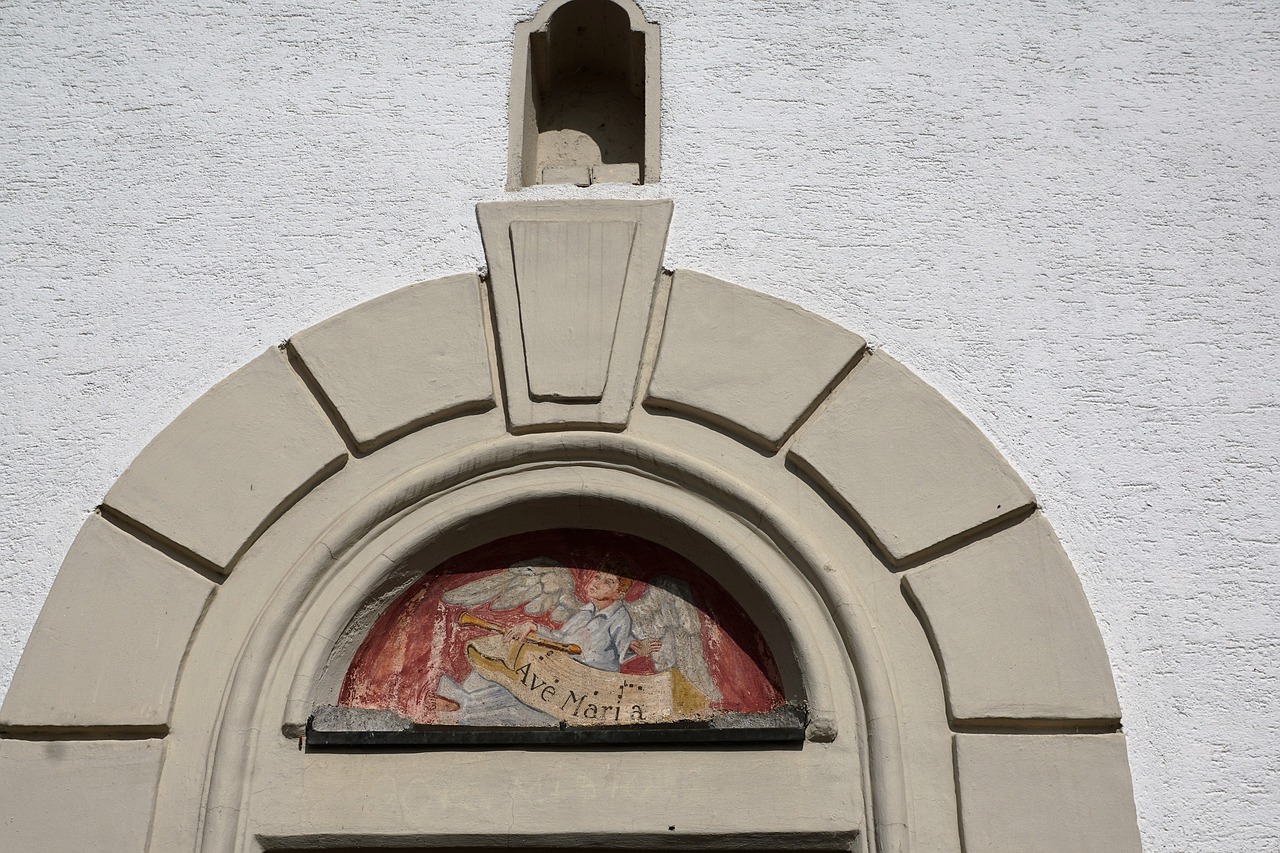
{"x":519,"y":633}
{"x":644,"y":648}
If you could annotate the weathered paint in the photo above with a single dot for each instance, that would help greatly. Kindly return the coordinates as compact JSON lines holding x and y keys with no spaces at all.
{"x":419,"y":639}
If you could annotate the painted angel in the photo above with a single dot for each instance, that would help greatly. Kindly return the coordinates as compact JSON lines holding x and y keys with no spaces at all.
{"x":605,"y":631}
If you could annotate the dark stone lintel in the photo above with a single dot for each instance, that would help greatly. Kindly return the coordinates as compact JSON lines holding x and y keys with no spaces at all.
{"x":332,"y":727}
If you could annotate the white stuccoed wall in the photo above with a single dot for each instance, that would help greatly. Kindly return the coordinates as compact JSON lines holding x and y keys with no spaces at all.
{"x":1061,"y":215}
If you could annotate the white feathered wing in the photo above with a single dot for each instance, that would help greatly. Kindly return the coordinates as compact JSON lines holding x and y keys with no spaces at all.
{"x":665,"y":612}
{"x":540,"y":585}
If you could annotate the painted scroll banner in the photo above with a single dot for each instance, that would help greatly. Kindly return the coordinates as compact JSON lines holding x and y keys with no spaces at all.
{"x":552,"y":682}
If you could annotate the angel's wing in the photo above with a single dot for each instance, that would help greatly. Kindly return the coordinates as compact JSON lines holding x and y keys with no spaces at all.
{"x":665,"y":612}
{"x":541,"y":585}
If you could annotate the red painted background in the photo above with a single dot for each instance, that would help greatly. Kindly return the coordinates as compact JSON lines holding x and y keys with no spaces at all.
{"x":418,"y":639}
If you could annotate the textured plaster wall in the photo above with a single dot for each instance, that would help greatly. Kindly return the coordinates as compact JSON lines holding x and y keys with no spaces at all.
{"x":1061,"y":215}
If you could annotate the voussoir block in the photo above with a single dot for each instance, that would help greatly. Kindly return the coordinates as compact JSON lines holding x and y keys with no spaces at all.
{"x":1026,"y":793}
{"x":232,"y":462}
{"x":570,"y":278}
{"x":913,"y":468}
{"x":1013,"y":629}
{"x":403,"y":360}
{"x":572,"y":283}
{"x":110,"y":638}
{"x":744,"y":359}
{"x":77,"y":795}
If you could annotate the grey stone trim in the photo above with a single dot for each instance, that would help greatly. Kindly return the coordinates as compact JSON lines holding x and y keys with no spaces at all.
{"x":529,"y":303}
{"x":1013,"y":630}
{"x":912,"y":469}
{"x":333,"y":727}
{"x":1045,"y":793}
{"x":77,"y":795}
{"x":403,"y":360}
{"x":731,"y":356}
{"x":106,"y":648}
{"x":230,"y":464}
{"x":661,"y":838}
{"x":570,"y":278}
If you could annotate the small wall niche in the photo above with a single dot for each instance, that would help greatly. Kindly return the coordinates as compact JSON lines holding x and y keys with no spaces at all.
{"x":585,"y":96}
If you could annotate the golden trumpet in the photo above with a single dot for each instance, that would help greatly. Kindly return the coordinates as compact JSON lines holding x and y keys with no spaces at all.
{"x":475,"y":621}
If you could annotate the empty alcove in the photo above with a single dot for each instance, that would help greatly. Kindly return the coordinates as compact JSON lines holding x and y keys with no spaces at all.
{"x":585,"y":96}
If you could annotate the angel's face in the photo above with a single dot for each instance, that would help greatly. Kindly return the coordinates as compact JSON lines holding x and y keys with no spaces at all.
{"x":602,"y":589}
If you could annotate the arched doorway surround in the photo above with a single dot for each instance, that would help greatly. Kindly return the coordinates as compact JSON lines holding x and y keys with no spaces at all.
{"x":959,"y":696}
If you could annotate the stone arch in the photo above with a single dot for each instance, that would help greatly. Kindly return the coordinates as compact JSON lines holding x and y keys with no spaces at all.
{"x":960,"y":695}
